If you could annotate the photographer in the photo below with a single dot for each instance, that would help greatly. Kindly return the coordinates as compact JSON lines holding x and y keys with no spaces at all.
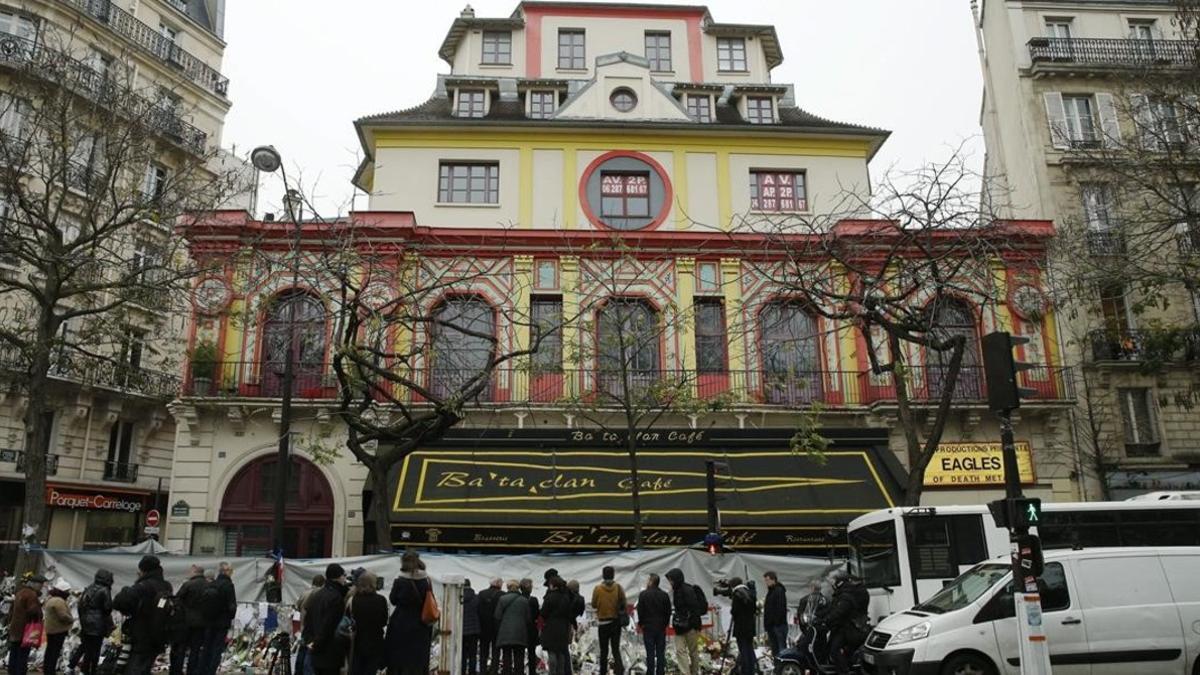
{"x":744,"y":612}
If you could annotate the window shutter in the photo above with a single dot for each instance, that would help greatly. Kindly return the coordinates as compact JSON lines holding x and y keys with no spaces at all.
{"x":1143,"y":117}
{"x":1057,"y":117}
{"x":1110,"y":126}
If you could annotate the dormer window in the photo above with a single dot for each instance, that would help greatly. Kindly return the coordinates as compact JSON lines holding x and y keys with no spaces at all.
{"x":572,"y":54}
{"x":542,"y":104}
{"x":731,"y":55}
{"x":658,"y":51}
{"x":472,"y":103}
{"x":699,"y":107}
{"x":760,"y":110}
{"x":497,"y":47}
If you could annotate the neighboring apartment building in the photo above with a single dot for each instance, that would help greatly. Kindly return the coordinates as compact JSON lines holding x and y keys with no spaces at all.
{"x":563,"y":134}
{"x":111,"y":440}
{"x":1090,"y":118}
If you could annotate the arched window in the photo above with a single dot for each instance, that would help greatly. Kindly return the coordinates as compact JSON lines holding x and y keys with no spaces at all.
{"x":951,"y":317}
{"x":628,"y":350}
{"x":462,"y":339}
{"x":791,"y":353}
{"x":295,"y":329}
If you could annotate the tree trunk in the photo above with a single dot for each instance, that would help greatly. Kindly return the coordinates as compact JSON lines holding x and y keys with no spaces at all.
{"x":33,"y":523}
{"x":631,"y":447}
{"x":381,"y":510}
{"x":1096,"y":458}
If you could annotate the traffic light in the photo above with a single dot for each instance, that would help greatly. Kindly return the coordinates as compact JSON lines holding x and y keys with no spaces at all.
{"x":1019,"y":512}
{"x":714,"y":543}
{"x":1000,"y":368}
{"x":1029,"y":555}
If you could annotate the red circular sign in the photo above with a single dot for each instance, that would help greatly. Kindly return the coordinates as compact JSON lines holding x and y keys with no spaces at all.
{"x":152,"y":518}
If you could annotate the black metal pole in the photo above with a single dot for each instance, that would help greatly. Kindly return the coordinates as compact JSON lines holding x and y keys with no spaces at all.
{"x":1012,"y":476}
{"x":285,"y":404}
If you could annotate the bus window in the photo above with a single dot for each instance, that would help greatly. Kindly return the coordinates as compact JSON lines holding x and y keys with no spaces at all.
{"x":941,"y":545}
{"x":873,"y":555}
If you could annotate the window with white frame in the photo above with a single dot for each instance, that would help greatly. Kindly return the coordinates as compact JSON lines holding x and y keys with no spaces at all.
{"x":12,"y":115}
{"x":699,"y":107}
{"x":497,"y":47}
{"x":760,"y":110}
{"x":8,"y":244}
{"x":542,"y":104}
{"x":1059,"y":27}
{"x":472,"y":103}
{"x":117,"y":465}
{"x":1080,"y":119}
{"x":1142,"y":29}
{"x":155,"y":182}
{"x":731,"y":55}
{"x":18,"y":25}
{"x":572,"y":54}
{"x":1098,"y":207}
{"x":469,"y":183}
{"x":658,"y":51}
{"x":778,"y":191}
{"x":1139,"y":421}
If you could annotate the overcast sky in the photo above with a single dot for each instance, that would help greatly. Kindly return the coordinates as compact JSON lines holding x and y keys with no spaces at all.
{"x":302,"y":71}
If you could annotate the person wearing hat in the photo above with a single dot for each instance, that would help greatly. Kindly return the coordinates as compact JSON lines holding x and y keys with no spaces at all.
{"x":59,"y":621}
{"x":143,"y":603}
{"x":408,"y":636}
{"x":26,"y":609}
{"x":326,"y":650}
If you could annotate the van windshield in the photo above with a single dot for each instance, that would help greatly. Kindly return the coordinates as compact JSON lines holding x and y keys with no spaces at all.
{"x":873,"y":555}
{"x":965,"y":589}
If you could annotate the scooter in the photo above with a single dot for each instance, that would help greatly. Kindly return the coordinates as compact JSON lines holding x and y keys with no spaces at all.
{"x":811,"y":656}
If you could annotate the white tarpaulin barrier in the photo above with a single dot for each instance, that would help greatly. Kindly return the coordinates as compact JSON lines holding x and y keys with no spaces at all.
{"x":632,"y":567}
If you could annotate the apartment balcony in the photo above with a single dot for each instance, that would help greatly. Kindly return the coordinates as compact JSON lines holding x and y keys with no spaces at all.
{"x":120,"y":472}
{"x":17,"y":457}
{"x":101,"y":373}
{"x":1105,"y":243}
{"x":18,"y":53}
{"x":831,"y":389}
{"x":1132,"y":346}
{"x":1187,"y":237}
{"x":1073,"y":55}
{"x":150,"y":40}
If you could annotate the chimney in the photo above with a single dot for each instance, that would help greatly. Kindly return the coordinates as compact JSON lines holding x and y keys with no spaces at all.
{"x":467,"y":13}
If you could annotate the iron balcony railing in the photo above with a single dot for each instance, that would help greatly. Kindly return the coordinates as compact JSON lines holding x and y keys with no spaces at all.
{"x":1187,"y":236}
{"x":97,"y":372}
{"x":1112,"y":52}
{"x":21,"y":53}
{"x":120,"y":472}
{"x":1105,"y":243}
{"x":245,"y":379}
{"x":153,"y":42}
{"x":1134,"y":345}
{"x":17,"y":457}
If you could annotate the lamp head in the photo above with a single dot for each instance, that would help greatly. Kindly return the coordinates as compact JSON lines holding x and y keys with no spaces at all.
{"x":266,"y":158}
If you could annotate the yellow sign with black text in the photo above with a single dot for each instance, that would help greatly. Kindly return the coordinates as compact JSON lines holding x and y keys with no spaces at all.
{"x":975,"y":465}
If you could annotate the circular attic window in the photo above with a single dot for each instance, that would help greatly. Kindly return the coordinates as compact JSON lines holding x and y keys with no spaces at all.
{"x":623,"y":99}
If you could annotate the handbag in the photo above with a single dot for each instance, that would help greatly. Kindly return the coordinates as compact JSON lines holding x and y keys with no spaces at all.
{"x":430,"y":614}
{"x":32,"y":637}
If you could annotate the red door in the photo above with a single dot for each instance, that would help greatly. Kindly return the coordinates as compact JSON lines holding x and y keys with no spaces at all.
{"x":247,"y":510}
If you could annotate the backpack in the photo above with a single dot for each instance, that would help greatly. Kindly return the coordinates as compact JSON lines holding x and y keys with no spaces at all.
{"x":166,"y":618}
{"x":209,"y":602}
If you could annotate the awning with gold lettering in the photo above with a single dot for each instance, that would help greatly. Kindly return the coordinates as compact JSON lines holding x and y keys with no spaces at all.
{"x":572,"y":489}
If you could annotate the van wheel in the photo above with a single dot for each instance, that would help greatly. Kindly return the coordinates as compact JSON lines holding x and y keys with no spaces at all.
{"x":790,"y":669}
{"x":968,"y":664}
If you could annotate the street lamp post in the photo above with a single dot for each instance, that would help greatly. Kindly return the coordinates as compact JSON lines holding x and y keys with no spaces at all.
{"x":267,"y":160}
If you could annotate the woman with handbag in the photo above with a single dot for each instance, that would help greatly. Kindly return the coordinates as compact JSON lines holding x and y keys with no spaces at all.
{"x":25,"y":625}
{"x":58,"y":622}
{"x":410,"y":630}
{"x":369,"y":611}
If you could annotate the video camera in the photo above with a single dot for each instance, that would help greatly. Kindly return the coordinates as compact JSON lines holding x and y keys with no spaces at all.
{"x":722,"y":587}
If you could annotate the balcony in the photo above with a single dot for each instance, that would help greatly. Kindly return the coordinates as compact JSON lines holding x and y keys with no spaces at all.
{"x":1177,"y":345}
{"x":102,"y":373}
{"x":17,"y":457}
{"x":151,"y":40}
{"x":21,"y":54}
{"x":1069,"y":55}
{"x":1105,"y":243}
{"x":1187,"y":236}
{"x":838,"y":389}
{"x":120,"y":472}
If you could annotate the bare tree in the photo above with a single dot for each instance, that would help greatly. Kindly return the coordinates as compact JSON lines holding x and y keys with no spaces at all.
{"x":95,"y":172}
{"x":911,"y":271}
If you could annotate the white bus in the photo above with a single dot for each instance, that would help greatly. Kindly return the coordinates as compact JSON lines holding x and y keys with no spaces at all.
{"x":905,"y":555}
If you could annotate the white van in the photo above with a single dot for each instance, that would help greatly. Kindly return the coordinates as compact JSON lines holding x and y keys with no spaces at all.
{"x":1105,"y":611}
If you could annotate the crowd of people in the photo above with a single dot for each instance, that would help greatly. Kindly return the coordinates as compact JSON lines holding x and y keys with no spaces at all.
{"x":345,"y":623}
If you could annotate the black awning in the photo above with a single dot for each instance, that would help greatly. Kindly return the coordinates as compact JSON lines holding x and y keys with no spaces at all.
{"x":564,"y":489}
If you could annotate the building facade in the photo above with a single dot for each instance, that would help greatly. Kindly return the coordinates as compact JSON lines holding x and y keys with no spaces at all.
{"x":605,"y":165}
{"x":111,"y":439}
{"x":1090,"y":119}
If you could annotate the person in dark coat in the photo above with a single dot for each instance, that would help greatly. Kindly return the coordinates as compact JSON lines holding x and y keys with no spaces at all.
{"x":531,"y":626}
{"x":188,"y":645}
{"x":512,"y":629}
{"x":744,"y":625}
{"x":687,"y":618}
{"x":846,"y":618}
{"x":775,"y":620}
{"x":326,"y":650}
{"x":578,"y":606}
{"x":408,"y":637}
{"x":139,"y":603}
{"x":558,"y":614}
{"x":471,"y":629}
{"x":370,"y":613}
{"x":26,"y":608}
{"x":219,"y":609}
{"x":95,"y":621}
{"x":654,"y":615}
{"x":489,"y":653}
